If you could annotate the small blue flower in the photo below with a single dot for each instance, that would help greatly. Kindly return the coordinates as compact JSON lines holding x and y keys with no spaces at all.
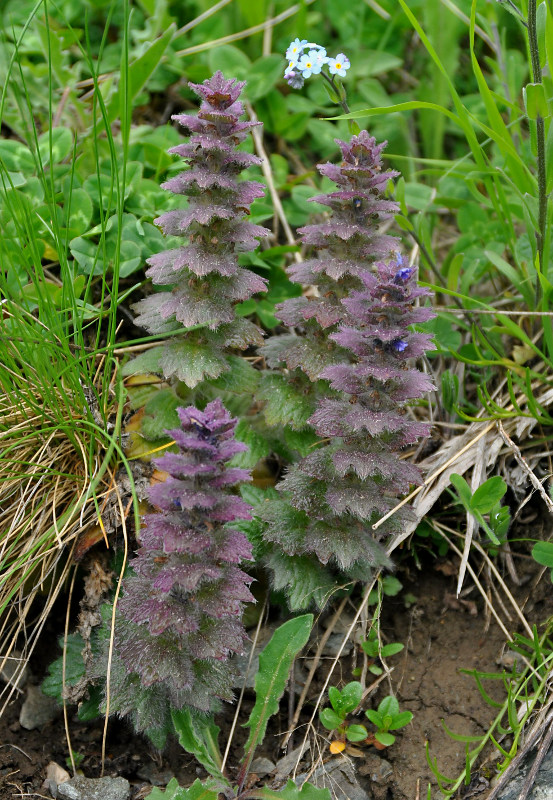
{"x":311,"y":64}
{"x":399,"y":345}
{"x":403,"y":274}
{"x":295,"y":50}
{"x":338,"y":65}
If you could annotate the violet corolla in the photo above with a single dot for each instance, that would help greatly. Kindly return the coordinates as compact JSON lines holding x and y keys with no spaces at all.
{"x":179,"y":617}
{"x":206,"y":279}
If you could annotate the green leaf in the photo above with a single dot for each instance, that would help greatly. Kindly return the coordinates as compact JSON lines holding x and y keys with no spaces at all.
{"x":62,"y":144}
{"x":285,"y":403}
{"x":351,"y":696}
{"x":391,"y":586}
{"x":389,"y":706}
{"x":198,"y":791}
{"x":291,"y":792}
{"x":535,"y":101}
{"x":274,"y":667}
{"x":385,"y":738}
{"x":335,"y":697}
{"x":374,"y":717}
{"x":463,"y":489}
{"x":198,"y":735}
{"x":356,"y":733}
{"x":400,"y":720}
{"x":263,"y":76}
{"x":542,"y":552}
{"x":330,"y":719}
{"x":14,"y":156}
{"x":160,"y":414}
{"x":541,"y":27}
{"x":78,"y":215}
{"x":488,"y":494}
{"x":391,"y":649}
{"x":232,"y":62}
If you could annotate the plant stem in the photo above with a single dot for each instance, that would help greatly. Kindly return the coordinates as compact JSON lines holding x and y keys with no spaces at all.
{"x":540,"y":143}
{"x":353,"y":126}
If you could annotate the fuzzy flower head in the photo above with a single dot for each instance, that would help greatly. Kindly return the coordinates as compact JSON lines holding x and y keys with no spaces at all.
{"x":338,"y":65}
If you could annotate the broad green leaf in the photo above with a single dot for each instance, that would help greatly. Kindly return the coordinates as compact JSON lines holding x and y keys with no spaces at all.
{"x":374,"y":717}
{"x":351,"y":696}
{"x":330,"y":719}
{"x":401,"y":719}
{"x":263,"y":76}
{"x":198,"y":736}
{"x":488,"y":494}
{"x":535,"y":101}
{"x":160,"y":415}
{"x":16,"y":157}
{"x":542,"y":552}
{"x":274,"y":668}
{"x":62,"y":144}
{"x":391,"y":585}
{"x":385,"y":738}
{"x":391,"y":649}
{"x":232,"y":62}
{"x":78,"y":215}
{"x":389,"y":706}
{"x":356,"y":733}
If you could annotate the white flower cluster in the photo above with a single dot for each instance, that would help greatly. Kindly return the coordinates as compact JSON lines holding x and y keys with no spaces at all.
{"x":302,"y":65}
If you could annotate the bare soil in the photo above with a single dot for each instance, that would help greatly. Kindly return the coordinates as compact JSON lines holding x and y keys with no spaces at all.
{"x":441,"y":635}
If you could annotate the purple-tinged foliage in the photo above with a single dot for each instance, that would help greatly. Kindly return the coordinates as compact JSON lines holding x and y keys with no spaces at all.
{"x":340,"y":490}
{"x":204,"y":273}
{"x":179,"y":617}
{"x":346,"y":245}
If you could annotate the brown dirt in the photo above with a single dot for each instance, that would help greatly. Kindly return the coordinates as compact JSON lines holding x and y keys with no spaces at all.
{"x":441,"y":636}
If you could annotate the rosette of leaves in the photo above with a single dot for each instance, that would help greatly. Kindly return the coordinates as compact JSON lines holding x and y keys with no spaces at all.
{"x":179,"y":617}
{"x":204,"y":276}
{"x":337,"y":492}
{"x":346,"y":244}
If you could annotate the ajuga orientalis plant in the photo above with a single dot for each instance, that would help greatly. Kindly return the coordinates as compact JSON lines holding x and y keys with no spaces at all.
{"x":179,"y":617}
{"x":362,"y":347}
{"x":204,"y":273}
{"x":346,"y":244}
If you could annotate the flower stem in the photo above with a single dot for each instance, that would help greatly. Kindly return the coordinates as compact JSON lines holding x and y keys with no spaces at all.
{"x":342,"y":102}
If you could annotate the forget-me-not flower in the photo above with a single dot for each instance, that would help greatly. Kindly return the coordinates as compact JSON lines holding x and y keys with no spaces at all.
{"x":338,"y":65}
{"x":295,"y":50}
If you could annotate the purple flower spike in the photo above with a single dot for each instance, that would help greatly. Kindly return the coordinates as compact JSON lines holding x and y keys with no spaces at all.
{"x":179,"y":617}
{"x":346,"y":244}
{"x":205,"y":277}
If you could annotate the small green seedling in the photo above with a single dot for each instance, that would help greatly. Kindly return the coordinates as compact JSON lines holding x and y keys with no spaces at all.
{"x":485,"y":500}
{"x":373,"y":650}
{"x":387,"y":718}
{"x":334,"y":719}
